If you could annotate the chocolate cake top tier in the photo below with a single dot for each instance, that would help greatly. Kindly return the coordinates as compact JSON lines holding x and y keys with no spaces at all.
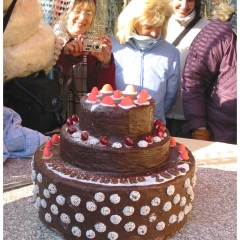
{"x":116,"y":122}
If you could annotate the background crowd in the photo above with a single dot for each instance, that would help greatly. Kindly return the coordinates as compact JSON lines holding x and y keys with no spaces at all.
{"x":192,"y":79}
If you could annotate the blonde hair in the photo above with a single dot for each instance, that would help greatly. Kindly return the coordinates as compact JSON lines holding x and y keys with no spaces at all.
{"x":223,"y":12}
{"x":150,"y":12}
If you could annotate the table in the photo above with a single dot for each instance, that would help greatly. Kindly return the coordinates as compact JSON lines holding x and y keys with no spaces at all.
{"x":214,"y":214}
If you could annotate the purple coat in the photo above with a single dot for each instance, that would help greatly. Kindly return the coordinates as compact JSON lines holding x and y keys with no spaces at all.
{"x":209,"y":90}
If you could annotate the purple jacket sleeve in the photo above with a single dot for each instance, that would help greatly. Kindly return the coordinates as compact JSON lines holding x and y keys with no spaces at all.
{"x":202,"y":75}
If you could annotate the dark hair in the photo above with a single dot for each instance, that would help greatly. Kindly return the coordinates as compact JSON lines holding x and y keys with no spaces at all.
{"x":197,"y":8}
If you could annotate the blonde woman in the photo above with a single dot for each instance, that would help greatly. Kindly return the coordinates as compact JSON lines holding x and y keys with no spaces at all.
{"x":142,"y":57}
{"x":209,"y":88}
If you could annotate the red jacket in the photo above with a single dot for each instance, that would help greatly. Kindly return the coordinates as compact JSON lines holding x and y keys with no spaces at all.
{"x":209,"y":90}
{"x":96,"y":76}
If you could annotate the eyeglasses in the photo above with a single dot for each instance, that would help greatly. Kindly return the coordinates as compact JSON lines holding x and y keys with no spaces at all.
{"x":85,"y":13}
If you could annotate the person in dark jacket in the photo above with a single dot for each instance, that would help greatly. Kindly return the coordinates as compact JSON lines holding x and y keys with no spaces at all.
{"x":209,"y":88}
{"x":90,"y":69}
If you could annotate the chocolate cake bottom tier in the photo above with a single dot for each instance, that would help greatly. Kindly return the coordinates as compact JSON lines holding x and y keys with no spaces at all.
{"x":81,"y":205}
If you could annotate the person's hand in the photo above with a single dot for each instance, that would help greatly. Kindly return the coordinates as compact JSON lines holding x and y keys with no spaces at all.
{"x":201,"y":134}
{"x":104,"y":57}
{"x":75,"y":47}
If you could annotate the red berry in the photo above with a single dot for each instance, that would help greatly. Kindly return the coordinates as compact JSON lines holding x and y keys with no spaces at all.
{"x":184,"y":155}
{"x":71,"y":129}
{"x":48,"y":144}
{"x":129,"y":142}
{"x":149,"y":138}
{"x":75,"y":118}
{"x":160,"y":134}
{"x":46,"y":153}
{"x":103,"y":140}
{"x":157,"y":122}
{"x":161,"y":128}
{"x":55,"y":138}
{"x":172,"y":141}
{"x":181,"y":148}
{"x":84,"y":135}
{"x":69,"y":122}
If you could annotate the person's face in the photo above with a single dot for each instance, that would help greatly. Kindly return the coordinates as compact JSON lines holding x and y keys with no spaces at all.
{"x":145,"y":30}
{"x":182,"y":8}
{"x":79,"y":21}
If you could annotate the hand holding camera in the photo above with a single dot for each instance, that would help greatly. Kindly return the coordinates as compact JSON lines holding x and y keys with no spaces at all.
{"x":101,"y":48}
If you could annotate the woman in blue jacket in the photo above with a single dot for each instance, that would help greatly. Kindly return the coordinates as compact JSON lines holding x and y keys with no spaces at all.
{"x":142,"y":57}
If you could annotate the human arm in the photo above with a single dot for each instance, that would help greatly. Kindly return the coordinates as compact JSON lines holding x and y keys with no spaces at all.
{"x":18,"y":141}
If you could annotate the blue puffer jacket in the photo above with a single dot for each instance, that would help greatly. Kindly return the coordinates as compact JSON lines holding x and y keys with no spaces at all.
{"x":155,"y":69}
{"x":209,"y":90}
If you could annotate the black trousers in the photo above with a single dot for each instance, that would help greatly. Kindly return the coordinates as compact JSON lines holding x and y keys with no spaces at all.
{"x":175,"y":128}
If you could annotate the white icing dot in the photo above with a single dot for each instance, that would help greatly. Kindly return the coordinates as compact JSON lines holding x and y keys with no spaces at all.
{"x":164,"y":134}
{"x":160,"y":226}
{"x":36,"y":190}
{"x":115,"y":219}
{"x":52,"y":188}
{"x":76,"y":135}
{"x":105,"y":211}
{"x":191,"y":196}
{"x":135,"y":196}
{"x":142,"y":230}
{"x":65,"y":218}
{"x":145,"y":210}
{"x":173,"y":218}
{"x":187,"y":182}
{"x":76,"y":231}
{"x":189,"y":190}
{"x":79,"y":217}
{"x":167,"y":206}
{"x":46,"y":193}
{"x":115,"y":199}
{"x":99,"y":197}
{"x":117,"y":145}
{"x":128,"y":211}
{"x":187,"y":208}
{"x":39,"y":177}
{"x":75,"y":200}
{"x":37,"y":204}
{"x":43,"y":203}
{"x":183,"y":201}
{"x":156,"y":139}
{"x":129,"y":227}
{"x":33,"y":175}
{"x":156,"y":201}
{"x":100,"y":227}
{"x":194,"y":180}
{"x":180,"y":216}
{"x":60,"y":200}
{"x":170,"y":190}
{"x":90,"y":234}
{"x":142,"y":143}
{"x":112,"y":236}
{"x":54,"y":209}
{"x":94,"y":141}
{"x":152,"y":217}
{"x":48,"y":217}
{"x":91,"y":206}
{"x":176,"y":198}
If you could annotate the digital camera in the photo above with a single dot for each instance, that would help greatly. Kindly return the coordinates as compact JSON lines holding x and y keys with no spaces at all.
{"x":92,"y":45}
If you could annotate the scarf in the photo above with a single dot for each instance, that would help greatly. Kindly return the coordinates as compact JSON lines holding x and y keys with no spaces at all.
{"x":185,"y":21}
{"x":142,"y":42}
